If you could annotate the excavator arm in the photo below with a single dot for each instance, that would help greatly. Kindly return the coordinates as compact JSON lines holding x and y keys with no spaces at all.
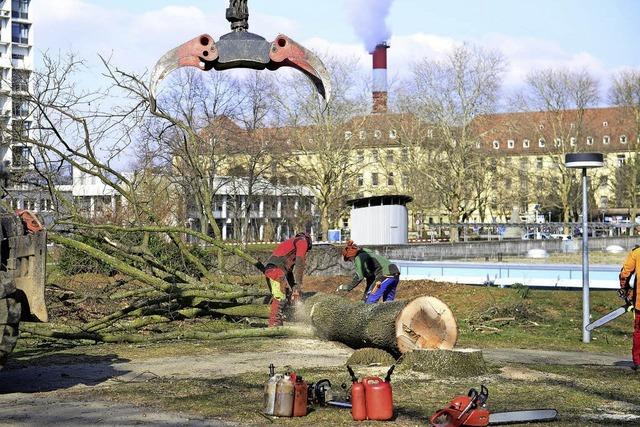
{"x":242,"y":49}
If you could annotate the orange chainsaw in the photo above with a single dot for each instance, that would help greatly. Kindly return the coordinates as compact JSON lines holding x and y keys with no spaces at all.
{"x":471,"y":411}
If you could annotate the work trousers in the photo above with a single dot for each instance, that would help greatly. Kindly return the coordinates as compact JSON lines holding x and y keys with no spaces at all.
{"x":385,"y":290}
{"x":635,"y":349}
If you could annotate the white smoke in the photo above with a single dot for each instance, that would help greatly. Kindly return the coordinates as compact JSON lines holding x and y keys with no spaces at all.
{"x":368,"y":20}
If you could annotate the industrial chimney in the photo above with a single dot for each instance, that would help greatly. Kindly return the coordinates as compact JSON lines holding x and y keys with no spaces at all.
{"x":380,"y":78}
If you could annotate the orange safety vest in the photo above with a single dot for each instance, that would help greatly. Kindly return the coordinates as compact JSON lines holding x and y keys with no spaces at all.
{"x":631,"y":265}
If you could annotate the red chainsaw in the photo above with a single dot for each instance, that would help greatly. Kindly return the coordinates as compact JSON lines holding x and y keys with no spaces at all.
{"x":471,"y":411}
{"x":241,"y":49}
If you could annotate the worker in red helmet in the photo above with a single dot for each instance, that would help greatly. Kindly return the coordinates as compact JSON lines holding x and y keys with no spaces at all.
{"x":631,"y":268}
{"x":284,"y":271}
{"x":382,"y":276}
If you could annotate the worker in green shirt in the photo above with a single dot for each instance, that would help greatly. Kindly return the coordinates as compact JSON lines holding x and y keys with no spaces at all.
{"x":381,"y":275}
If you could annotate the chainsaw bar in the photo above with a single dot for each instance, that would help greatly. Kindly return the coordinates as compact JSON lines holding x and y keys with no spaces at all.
{"x":525,"y":416}
{"x":609,"y":317}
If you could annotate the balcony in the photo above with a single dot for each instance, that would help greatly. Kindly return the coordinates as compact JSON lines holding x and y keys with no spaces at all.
{"x":20,"y":40}
{"x":18,"y":14}
{"x":5,"y":14}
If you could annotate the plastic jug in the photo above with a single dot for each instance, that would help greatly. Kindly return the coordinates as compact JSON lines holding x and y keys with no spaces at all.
{"x":378,"y":398}
{"x":284,"y":397}
{"x":358,"y":406}
{"x":300,"y":389}
{"x":268,"y":406}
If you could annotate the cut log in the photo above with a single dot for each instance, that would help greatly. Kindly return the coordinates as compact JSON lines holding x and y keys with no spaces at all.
{"x":396,"y":326}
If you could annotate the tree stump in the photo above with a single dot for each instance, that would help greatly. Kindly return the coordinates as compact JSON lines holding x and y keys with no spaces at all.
{"x":445,"y":363}
{"x":370,"y":356}
{"x":396,"y":326}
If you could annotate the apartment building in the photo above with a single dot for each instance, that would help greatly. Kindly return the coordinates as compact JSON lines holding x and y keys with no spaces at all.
{"x":16,"y":67}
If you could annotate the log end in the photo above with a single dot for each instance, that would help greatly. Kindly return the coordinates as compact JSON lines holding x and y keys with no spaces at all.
{"x":426,"y":323}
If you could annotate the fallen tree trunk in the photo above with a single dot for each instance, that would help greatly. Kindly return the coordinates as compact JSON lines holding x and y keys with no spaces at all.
{"x":396,"y":326}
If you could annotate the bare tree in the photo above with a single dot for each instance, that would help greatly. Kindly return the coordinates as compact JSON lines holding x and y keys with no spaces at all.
{"x":450,"y":96}
{"x":320,"y":156}
{"x":91,"y":131}
{"x":625,"y":93}
{"x":561,"y":99}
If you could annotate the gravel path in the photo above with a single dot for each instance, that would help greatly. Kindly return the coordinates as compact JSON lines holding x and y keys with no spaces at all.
{"x":28,"y":395}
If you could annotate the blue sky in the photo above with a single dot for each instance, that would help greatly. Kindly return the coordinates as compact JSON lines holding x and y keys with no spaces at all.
{"x":601,"y":36}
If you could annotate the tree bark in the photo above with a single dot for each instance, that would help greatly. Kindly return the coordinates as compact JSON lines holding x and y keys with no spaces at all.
{"x":396,"y":326}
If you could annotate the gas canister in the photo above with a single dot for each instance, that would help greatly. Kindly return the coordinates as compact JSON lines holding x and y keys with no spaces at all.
{"x":378,"y":398}
{"x":300,"y":389}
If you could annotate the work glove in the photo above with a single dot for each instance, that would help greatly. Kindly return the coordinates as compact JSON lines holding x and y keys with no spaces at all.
{"x":625,"y":294}
{"x":343,"y":288}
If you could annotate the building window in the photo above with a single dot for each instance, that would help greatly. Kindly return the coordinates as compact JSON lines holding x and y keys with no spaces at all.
{"x":375,"y":155}
{"x":20,"y":33}
{"x":393,"y":134}
{"x":347,"y":135}
{"x":623,"y":139}
{"x":20,"y":155}
{"x":557,"y":142}
{"x":496,"y":144}
{"x":540,"y":126}
{"x":510,"y":143}
{"x":362,"y":134}
{"x":374,"y":179}
{"x":20,"y":81}
{"x":429,"y":133}
{"x":526,"y":143}
{"x":405,"y":154}
{"x":390,"y":156}
{"x":390,"y":180}
{"x":405,"y":180}
{"x":620,"y":160}
{"x":377,"y":134}
{"x":360,"y":180}
{"x":360,"y":155}
{"x":605,"y":124}
{"x":604,"y":181}
{"x":589,"y":140}
{"x":604,"y":202}
{"x":572,"y":125}
{"x":478,"y":144}
{"x":573,"y":141}
{"x":524,"y":164}
{"x":507,"y":183}
{"x":541,"y":143}
{"x":606,"y":139}
{"x":539,"y":163}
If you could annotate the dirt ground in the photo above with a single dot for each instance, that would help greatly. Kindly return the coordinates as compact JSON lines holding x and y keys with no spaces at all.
{"x":57,"y":391}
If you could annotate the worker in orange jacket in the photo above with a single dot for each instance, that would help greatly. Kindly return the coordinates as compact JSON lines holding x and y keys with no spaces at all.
{"x":630,"y":266}
{"x":284,"y":271}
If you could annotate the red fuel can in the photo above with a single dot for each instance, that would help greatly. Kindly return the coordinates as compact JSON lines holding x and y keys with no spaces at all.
{"x":378,"y":398}
{"x":358,"y":405}
{"x":300,"y":397}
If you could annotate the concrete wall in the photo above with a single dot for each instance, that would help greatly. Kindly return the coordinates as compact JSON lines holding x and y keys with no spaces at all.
{"x":493,"y":251}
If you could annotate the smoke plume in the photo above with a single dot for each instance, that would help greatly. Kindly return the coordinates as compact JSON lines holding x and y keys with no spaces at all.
{"x":368,"y":20}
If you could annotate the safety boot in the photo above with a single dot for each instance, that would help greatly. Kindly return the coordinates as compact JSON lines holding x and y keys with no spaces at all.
{"x":276,"y":315}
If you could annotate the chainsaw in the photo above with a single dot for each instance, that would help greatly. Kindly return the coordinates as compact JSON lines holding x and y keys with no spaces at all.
{"x":321,"y":393}
{"x":471,"y":411}
{"x":625,"y":308}
{"x":241,"y":49}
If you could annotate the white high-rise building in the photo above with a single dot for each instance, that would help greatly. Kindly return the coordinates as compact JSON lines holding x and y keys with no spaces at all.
{"x":16,"y":66}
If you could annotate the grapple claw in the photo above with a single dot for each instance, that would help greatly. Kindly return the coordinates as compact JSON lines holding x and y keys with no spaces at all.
{"x":286,"y":52}
{"x":199,"y":52}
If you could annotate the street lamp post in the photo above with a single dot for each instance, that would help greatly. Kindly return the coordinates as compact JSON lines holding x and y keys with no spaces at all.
{"x":584,"y":161}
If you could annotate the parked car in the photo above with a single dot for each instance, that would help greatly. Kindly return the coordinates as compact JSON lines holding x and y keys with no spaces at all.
{"x":562,"y":236}
{"x":536,"y":236}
